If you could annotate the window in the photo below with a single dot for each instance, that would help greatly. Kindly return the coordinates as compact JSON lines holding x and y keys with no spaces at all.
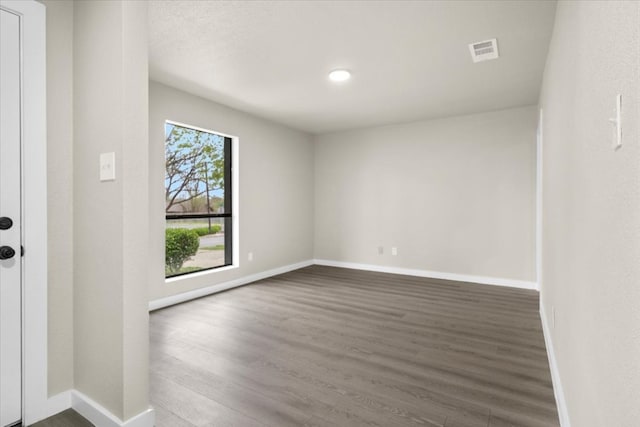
{"x":198,"y":203}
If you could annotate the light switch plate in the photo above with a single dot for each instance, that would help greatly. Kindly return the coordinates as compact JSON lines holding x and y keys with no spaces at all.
{"x":617,"y":123}
{"x":107,"y":167}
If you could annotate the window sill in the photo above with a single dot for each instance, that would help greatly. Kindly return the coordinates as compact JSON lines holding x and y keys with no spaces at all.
{"x":200,"y":274}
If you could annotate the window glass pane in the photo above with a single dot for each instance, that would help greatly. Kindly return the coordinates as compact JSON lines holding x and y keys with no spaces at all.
{"x":195,"y":171}
{"x":197,"y":184}
{"x":195,"y":244}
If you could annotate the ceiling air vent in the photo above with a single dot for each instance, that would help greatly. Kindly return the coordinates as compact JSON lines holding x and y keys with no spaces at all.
{"x":483,"y":51}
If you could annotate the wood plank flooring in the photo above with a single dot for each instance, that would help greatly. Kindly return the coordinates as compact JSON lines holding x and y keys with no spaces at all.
{"x":324,"y":346}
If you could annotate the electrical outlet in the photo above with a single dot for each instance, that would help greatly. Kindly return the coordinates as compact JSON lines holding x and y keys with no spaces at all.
{"x":250,"y":256}
{"x":380,"y":250}
{"x":394,"y":251}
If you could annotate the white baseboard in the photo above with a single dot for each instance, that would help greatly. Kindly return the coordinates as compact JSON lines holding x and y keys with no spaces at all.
{"x":558,"y":392}
{"x":58,"y":403}
{"x":496,"y":281}
{"x":201,"y":292}
{"x":101,"y":417}
{"x":53,"y":405}
{"x":209,"y":290}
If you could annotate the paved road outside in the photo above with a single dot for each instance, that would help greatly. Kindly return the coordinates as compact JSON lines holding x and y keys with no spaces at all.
{"x":206,"y":258}
{"x":212,"y":240}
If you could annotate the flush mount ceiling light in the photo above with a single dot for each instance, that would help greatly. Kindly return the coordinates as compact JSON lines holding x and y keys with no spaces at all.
{"x":339,"y":75}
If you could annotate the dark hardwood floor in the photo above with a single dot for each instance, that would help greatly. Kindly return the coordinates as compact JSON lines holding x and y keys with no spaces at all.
{"x":324,"y":346}
{"x":68,"y":418}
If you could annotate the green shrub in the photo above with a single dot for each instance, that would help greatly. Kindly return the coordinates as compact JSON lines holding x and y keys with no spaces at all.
{"x":203,"y":231}
{"x":180,"y":245}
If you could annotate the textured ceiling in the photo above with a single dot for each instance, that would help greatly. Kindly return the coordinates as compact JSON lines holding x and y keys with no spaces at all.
{"x":409,"y":60}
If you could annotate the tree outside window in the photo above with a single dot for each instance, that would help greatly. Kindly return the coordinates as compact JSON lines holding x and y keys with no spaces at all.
{"x":197,"y":200}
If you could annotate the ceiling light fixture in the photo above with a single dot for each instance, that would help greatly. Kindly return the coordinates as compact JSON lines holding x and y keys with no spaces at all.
{"x":339,"y":75}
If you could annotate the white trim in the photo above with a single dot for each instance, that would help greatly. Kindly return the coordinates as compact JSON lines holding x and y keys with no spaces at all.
{"x":201,"y":292}
{"x":561,"y":403}
{"x":484,"y":280}
{"x":35,"y":401}
{"x":101,"y":417}
{"x":186,"y":277}
{"x":235,"y":199}
{"x":185,"y":125}
{"x":58,"y":403}
{"x":539,"y":200}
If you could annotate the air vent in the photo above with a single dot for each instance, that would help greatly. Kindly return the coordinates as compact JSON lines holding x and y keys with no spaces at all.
{"x":484,"y":50}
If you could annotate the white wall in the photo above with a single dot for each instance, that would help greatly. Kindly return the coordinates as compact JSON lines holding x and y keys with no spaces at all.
{"x":275,"y":185}
{"x":454,"y":195}
{"x":591,"y":213}
{"x":110,"y":218}
{"x":60,"y":193}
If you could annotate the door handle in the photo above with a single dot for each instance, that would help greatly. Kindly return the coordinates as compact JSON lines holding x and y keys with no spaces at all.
{"x":5,"y":223}
{"x":6,"y":252}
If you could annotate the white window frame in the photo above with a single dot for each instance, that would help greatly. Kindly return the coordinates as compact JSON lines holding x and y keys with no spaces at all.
{"x":235,"y":206}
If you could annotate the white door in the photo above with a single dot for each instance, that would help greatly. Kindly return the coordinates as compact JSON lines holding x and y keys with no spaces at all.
{"x":10,"y":222}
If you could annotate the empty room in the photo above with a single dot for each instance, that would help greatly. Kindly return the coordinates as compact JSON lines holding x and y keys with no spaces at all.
{"x":320,"y":213}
